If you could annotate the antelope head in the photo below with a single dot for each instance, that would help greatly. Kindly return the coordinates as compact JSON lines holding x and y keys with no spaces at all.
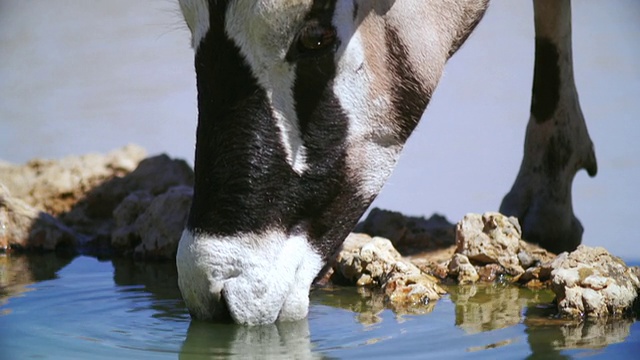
{"x":304,"y":107}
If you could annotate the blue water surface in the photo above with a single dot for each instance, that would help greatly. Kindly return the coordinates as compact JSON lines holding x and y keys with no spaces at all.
{"x":85,"y":308}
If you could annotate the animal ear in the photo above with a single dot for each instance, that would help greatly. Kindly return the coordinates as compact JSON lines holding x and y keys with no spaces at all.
{"x":196,"y":15}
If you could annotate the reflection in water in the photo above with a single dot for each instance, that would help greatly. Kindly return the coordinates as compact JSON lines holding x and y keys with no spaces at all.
{"x":160,"y":279}
{"x":481,"y":308}
{"x":486,"y":307}
{"x":548,"y":336}
{"x":135,"y":306}
{"x":367,"y":304}
{"x":213,"y":341}
{"x":18,"y":271}
{"x":205,"y":340}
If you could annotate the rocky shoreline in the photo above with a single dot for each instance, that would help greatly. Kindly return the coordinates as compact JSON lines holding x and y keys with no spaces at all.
{"x":123,"y":204}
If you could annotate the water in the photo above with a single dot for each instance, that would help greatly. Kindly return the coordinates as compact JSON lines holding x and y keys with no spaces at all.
{"x":62,"y":308}
{"x":80,"y":76}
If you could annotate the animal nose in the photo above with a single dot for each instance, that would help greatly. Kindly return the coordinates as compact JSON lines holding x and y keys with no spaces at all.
{"x":255,"y":279}
{"x":223,"y":315}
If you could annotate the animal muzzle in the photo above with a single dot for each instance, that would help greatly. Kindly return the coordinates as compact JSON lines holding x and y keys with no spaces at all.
{"x":252,"y":279}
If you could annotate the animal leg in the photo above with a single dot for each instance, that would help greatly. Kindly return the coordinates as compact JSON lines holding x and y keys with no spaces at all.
{"x":557,"y":143}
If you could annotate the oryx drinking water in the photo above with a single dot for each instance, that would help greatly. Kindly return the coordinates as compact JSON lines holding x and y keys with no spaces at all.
{"x":304,"y":107}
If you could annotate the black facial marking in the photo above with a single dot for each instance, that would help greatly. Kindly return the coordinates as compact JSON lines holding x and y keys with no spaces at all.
{"x":243,"y":181}
{"x":317,"y":37}
{"x":410,"y":98}
{"x":326,"y":193}
{"x":546,"y":80}
{"x":240,"y":165}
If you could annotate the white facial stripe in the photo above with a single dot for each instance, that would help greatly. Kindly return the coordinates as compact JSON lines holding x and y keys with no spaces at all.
{"x":196,"y":14}
{"x":281,"y":97}
{"x":264,"y":277}
{"x":263,"y":32}
{"x":362,"y":89}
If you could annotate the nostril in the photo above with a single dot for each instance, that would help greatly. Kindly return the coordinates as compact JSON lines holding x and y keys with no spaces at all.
{"x":222,"y":313}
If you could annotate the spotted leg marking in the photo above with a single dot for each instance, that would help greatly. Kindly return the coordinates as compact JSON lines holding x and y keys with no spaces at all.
{"x":557,"y":143}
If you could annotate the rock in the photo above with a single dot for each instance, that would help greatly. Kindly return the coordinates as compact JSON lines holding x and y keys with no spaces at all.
{"x":461,"y":268}
{"x":125,"y":237}
{"x":537,"y":277}
{"x":533,"y":255}
{"x":636,"y":271}
{"x":591,"y":282}
{"x":490,"y":238}
{"x":55,"y":186}
{"x":407,"y":286}
{"x":161,"y":225}
{"x":492,"y":243}
{"x":154,"y":175}
{"x":96,"y":214}
{"x":490,"y":273}
{"x":23,"y":227}
{"x":409,"y":234}
{"x":373,"y":262}
{"x":83,"y":193}
{"x":365,"y":261}
{"x":434,"y":262}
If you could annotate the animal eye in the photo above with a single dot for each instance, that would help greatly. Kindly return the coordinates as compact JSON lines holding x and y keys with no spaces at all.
{"x":315,"y":36}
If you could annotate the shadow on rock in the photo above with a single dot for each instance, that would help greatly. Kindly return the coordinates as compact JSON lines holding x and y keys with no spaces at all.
{"x":409,"y":234}
{"x":118,"y":203}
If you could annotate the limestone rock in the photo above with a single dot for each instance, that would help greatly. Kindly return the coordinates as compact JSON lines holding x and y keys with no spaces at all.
{"x":490,"y":238}
{"x":591,"y":282}
{"x":155,"y":175}
{"x":366,"y":261}
{"x":73,"y":201}
{"x":406,"y":286}
{"x":23,"y":227}
{"x":461,"y":268}
{"x":636,"y":271}
{"x":54,"y":186}
{"x":161,"y":225}
{"x":434,"y":262}
{"x":492,"y":243}
{"x":96,"y":213}
{"x":125,"y":237}
{"x":537,"y":276}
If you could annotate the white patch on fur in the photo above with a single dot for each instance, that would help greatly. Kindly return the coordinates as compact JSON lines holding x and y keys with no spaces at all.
{"x":263,"y":277}
{"x":196,"y":14}
{"x":264,"y":30}
{"x":372,"y":151}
